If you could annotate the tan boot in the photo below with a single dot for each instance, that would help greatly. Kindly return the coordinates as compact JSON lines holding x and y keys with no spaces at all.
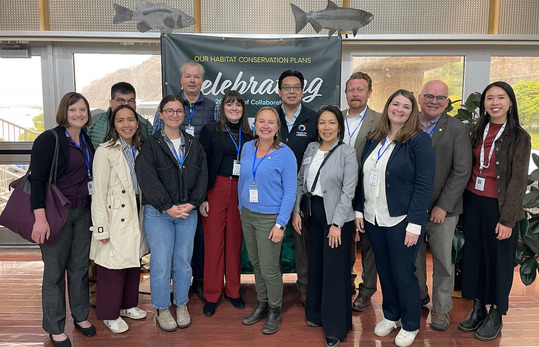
{"x":182,"y":316}
{"x":165,"y":320}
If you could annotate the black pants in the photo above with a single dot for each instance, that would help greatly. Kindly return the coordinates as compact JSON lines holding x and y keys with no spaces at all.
{"x":328,"y":290}
{"x":487,"y":263}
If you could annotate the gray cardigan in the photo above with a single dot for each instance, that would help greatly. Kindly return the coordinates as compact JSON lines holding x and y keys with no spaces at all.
{"x":338,"y":179}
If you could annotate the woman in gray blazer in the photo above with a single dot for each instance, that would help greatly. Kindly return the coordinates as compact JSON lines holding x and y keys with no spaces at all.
{"x":330,"y":224}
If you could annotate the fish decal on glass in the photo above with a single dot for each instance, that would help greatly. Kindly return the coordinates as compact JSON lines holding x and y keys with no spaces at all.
{"x":333,"y":17}
{"x":153,"y":16}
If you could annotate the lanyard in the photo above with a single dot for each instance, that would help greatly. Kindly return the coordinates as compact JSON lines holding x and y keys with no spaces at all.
{"x":87,"y":159}
{"x":379,"y":149}
{"x":357,"y":127}
{"x":254,"y":161}
{"x":133,"y":151}
{"x":180,"y":161}
{"x":482,"y":165}
{"x":190,"y":114}
{"x":237,"y":145}
{"x":432,"y":130}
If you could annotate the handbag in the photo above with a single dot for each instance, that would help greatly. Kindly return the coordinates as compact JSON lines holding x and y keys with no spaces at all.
{"x":18,"y":215}
{"x":305,"y":201}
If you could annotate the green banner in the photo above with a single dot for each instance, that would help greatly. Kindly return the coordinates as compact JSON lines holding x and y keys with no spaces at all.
{"x":253,"y":65}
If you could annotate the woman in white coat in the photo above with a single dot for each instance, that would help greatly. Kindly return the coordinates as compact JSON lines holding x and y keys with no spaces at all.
{"x":117,"y":242}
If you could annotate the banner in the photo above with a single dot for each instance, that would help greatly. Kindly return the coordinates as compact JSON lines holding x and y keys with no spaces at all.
{"x":253,"y":65}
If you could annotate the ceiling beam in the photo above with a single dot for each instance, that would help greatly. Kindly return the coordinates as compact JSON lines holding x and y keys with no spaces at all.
{"x":44,"y":22}
{"x":493,"y":17}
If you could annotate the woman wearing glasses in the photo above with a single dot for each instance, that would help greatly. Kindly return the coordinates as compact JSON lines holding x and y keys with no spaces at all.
{"x":172,"y":174}
{"x":492,"y":208}
{"x":222,"y":141}
{"x":392,"y":198}
{"x":330,"y":224}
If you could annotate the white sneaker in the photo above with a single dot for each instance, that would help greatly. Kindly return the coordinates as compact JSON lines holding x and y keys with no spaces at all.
{"x":117,"y":325}
{"x":133,"y":313}
{"x":182,"y":317}
{"x":405,"y":338}
{"x":385,"y":326}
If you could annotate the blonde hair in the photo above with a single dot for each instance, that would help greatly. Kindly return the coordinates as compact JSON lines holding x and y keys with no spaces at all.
{"x":277,"y":139}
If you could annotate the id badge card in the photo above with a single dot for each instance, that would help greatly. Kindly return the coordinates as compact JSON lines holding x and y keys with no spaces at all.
{"x":373,"y":177}
{"x":307,"y":161}
{"x":480,"y":183}
{"x":236,"y":168}
{"x":190,"y":129}
{"x":91,"y":188}
{"x":253,"y":193}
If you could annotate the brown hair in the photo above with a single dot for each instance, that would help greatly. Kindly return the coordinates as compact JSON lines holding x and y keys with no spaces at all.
{"x":360,"y":76}
{"x":112,"y":134}
{"x":277,"y":139}
{"x":66,"y":101}
{"x":410,"y":129}
{"x":233,"y":96}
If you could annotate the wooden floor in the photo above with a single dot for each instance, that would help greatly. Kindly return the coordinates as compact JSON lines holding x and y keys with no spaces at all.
{"x":20,"y":318}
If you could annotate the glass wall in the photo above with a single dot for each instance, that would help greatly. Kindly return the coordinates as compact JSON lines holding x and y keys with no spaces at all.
{"x":21,"y":99}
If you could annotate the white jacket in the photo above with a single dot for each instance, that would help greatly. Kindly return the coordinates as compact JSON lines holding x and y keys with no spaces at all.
{"x":114,"y":212}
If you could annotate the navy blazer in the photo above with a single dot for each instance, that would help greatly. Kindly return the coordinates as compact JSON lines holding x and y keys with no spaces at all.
{"x":409,"y":177}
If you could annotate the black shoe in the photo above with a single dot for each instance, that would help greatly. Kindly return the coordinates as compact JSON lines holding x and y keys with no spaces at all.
{"x":475,"y":318}
{"x":90,"y":331}
{"x":209,"y":308}
{"x":273,"y":322}
{"x":491,"y":327}
{"x":63,"y":343}
{"x":237,"y":302}
{"x":425,"y":301}
{"x":261,"y":311}
{"x":198,"y":287}
{"x":332,"y":341}
{"x":312,"y":324}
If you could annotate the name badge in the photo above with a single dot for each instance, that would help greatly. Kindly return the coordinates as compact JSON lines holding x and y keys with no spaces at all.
{"x":91,"y":188}
{"x":301,"y":134}
{"x":307,"y":161}
{"x":373,"y":178}
{"x":236,"y":168}
{"x":253,"y":193}
{"x":190,"y":129}
{"x":480,"y":183}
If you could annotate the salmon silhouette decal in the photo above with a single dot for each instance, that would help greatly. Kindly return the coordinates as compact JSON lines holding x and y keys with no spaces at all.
{"x":153,"y":16}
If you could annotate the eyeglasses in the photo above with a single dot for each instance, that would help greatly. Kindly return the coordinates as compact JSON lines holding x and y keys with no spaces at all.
{"x":430,"y":97}
{"x":170,"y":112}
{"x":123,"y":101}
{"x":287,"y":88}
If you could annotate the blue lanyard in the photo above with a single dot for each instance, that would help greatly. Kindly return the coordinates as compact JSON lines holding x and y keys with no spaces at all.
{"x":190,"y":114}
{"x":379,"y":149}
{"x":357,"y":127}
{"x":133,"y":151}
{"x":87,"y":159}
{"x":254,"y":161}
{"x":176,"y":155}
{"x":237,"y":145}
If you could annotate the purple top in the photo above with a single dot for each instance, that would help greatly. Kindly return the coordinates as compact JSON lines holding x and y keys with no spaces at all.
{"x":74,"y":182}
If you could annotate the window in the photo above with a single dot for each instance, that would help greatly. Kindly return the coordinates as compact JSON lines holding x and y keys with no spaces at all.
{"x":21,"y":99}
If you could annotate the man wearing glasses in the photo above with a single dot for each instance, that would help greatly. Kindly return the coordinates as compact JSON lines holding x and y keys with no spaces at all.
{"x":121,"y":93}
{"x":297,"y":131}
{"x":451,"y":143}
{"x":360,"y":119}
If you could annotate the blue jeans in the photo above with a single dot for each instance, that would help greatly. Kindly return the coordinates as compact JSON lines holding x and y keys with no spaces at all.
{"x":171,"y":244}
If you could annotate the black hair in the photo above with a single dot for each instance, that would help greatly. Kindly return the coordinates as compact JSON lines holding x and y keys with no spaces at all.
{"x":122,"y":88}
{"x":340,"y":120}
{"x":112,"y":134}
{"x":290,"y":73}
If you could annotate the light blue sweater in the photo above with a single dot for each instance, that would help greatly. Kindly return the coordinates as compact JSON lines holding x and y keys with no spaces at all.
{"x":276,"y":180}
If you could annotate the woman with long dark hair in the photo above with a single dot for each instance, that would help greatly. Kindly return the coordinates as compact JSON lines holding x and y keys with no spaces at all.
{"x":70,"y":253}
{"x":223,"y":141}
{"x":492,"y":207}
{"x":117,"y":242}
{"x":392,"y":198}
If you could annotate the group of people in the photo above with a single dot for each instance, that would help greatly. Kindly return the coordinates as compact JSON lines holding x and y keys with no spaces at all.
{"x":389,"y":180}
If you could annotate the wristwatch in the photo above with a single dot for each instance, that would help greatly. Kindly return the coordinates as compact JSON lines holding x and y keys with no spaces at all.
{"x":282,"y":227}
{"x":335,"y":225}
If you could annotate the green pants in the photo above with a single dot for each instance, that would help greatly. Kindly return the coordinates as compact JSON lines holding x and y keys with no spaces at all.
{"x":264,"y":255}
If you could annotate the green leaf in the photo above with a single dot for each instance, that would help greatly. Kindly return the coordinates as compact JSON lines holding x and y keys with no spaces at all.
{"x":535,"y":159}
{"x":534,"y":175}
{"x":523,"y":226}
{"x":531,"y":199}
{"x":528,"y":266}
{"x":470,"y":102}
{"x":527,"y":279}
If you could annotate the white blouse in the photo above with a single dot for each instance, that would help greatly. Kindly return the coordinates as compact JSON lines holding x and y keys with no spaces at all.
{"x":316,"y":161}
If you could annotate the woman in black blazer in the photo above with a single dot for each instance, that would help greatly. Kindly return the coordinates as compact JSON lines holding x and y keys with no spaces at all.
{"x":70,"y":254}
{"x":222,"y":141}
{"x":391,"y":203}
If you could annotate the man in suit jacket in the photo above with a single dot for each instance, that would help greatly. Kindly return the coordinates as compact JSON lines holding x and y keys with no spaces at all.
{"x":451,"y":143}
{"x":359,"y":121}
{"x":297,"y":131}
